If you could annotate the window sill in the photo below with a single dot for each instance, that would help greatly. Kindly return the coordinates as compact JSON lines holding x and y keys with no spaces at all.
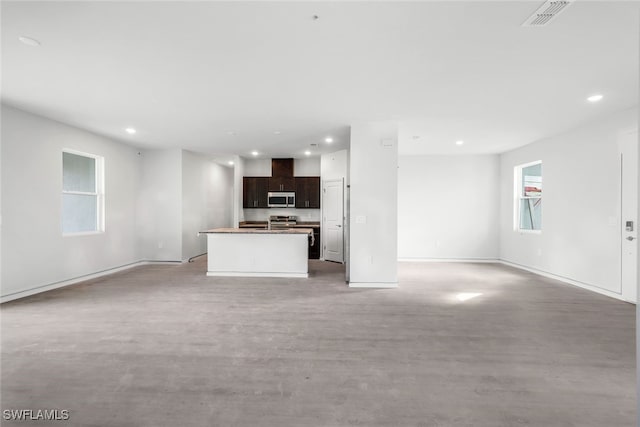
{"x":529,"y":231}
{"x":82,"y":233}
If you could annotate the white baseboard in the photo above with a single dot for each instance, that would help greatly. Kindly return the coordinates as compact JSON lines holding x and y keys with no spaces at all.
{"x":373,"y":284}
{"x":68,"y":282}
{"x":162,"y":262}
{"x":487,"y":260}
{"x":257,"y":274}
{"x":567,"y":280}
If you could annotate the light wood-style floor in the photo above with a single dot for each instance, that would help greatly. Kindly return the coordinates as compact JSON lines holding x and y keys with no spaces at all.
{"x":168,"y":346}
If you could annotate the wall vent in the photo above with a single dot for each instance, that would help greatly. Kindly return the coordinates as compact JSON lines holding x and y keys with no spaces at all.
{"x":546,"y":13}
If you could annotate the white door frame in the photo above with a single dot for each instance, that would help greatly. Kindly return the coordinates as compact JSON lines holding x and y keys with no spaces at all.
{"x":629,"y":212}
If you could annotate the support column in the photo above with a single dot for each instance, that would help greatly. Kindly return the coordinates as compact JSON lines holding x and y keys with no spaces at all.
{"x":373,"y":213}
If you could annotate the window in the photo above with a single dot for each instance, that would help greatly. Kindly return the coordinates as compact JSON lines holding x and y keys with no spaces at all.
{"x":82,"y":193}
{"x":528,"y":187}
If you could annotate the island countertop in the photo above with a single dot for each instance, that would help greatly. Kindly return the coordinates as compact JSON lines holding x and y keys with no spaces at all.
{"x":259,"y":231}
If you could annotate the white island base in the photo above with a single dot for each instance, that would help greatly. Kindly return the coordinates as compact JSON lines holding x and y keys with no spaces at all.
{"x":258,"y":253}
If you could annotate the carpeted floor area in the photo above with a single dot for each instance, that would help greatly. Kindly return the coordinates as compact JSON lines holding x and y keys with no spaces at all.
{"x":464,"y":345}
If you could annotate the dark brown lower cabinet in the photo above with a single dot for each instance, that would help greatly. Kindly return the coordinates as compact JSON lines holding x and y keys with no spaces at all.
{"x":314,"y":251}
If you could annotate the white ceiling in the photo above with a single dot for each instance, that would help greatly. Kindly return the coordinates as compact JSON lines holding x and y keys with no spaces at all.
{"x":186,"y":74}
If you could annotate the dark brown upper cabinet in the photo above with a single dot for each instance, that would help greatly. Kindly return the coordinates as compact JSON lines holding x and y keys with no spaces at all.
{"x":254,"y":192}
{"x":282,"y":183}
{"x":282,"y":175}
{"x":282,"y":168}
{"x":308,"y":192}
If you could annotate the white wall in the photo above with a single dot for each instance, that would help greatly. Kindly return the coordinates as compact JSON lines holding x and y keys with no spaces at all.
{"x":182,"y":193}
{"x":34,"y":252}
{"x":448,"y":207}
{"x":206,"y":201}
{"x":155,"y":203}
{"x":334,"y":165}
{"x":638,"y":293}
{"x":580,"y":237}
{"x":373,"y":171}
{"x":194,"y":203}
{"x":256,"y":167}
{"x":219,"y":210}
{"x":159,"y":205}
{"x":306,"y":167}
{"x":1,"y":181}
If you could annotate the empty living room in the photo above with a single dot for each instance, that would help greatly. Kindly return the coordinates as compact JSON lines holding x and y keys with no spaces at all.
{"x":319,"y":213}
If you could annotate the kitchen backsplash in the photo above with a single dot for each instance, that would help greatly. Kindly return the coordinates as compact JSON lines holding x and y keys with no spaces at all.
{"x":263,"y":214}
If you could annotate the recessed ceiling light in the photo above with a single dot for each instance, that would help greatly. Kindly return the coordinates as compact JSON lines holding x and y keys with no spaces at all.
{"x":255,"y":153}
{"x":595,"y":98}
{"x":230,"y":132}
{"x":328,"y":140}
{"x":130,"y":131}
{"x":308,"y":153}
{"x":29,"y":41}
{"x":459,"y":142}
{"x":277,"y":132}
{"x":230,"y":163}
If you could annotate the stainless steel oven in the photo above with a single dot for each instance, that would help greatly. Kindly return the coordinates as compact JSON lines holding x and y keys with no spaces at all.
{"x":282,"y":222}
{"x":281,"y":200}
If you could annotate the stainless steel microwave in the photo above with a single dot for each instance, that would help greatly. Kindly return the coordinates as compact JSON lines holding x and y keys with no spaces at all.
{"x":281,"y":200}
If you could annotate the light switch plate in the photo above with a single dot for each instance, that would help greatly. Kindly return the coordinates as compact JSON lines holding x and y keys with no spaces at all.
{"x":361,"y":219}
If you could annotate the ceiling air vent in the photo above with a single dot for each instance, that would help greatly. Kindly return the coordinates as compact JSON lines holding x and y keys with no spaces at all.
{"x":546,"y":13}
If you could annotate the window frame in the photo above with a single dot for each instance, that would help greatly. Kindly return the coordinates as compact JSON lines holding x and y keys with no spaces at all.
{"x":519,"y":196}
{"x":99,"y":193}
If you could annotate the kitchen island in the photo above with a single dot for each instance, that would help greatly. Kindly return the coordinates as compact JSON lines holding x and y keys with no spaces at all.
{"x":258,"y":252}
